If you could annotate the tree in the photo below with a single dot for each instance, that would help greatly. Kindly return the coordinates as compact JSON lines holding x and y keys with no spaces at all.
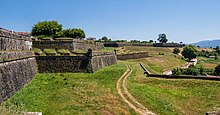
{"x":217,"y":70}
{"x":162,"y":38}
{"x":151,"y":41}
{"x":46,"y":29}
{"x":104,"y":38}
{"x":74,"y":33}
{"x":176,"y":50}
{"x":189,"y":52}
{"x":135,"y":41}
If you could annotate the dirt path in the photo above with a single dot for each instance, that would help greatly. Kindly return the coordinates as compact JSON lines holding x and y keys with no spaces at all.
{"x":127,"y":97}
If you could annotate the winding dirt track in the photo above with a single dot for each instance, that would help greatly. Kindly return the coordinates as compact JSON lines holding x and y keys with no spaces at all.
{"x":127,"y":97}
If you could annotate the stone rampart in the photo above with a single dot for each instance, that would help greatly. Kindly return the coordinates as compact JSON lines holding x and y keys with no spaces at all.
{"x":14,"y":75}
{"x":54,"y":45}
{"x":100,"y":60}
{"x":17,"y":64}
{"x":85,"y":46}
{"x":13,"y":55}
{"x":167,"y":45}
{"x":126,"y":44}
{"x":68,"y":44}
{"x":62,"y":64}
{"x":88,"y":63}
{"x":9,"y":44}
{"x":132,"y":56}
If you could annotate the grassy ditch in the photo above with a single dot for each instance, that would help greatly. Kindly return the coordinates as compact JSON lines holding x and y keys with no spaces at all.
{"x":74,"y":93}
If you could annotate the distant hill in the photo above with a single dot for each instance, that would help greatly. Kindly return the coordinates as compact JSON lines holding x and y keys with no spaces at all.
{"x":207,"y":43}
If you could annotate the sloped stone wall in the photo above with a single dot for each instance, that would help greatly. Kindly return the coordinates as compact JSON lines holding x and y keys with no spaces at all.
{"x":70,"y":45}
{"x":132,"y":56}
{"x":126,"y":44}
{"x":14,"y":75}
{"x":17,"y":64}
{"x":54,"y":45}
{"x":62,"y":64}
{"x":86,"y":46}
{"x":14,"y":55}
{"x":88,"y":63}
{"x":100,"y":60}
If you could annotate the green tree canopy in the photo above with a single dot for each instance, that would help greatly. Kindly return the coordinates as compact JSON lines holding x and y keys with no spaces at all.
{"x":46,"y":29}
{"x":217,"y":70}
{"x":176,"y":50}
{"x":104,"y":38}
{"x":74,"y":33}
{"x":162,"y":38}
{"x":189,"y":52}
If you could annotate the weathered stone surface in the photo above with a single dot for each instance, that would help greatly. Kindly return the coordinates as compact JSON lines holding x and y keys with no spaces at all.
{"x":102,"y":59}
{"x":89,"y":63}
{"x":61,"y":64}
{"x":70,"y":45}
{"x":7,"y":56}
{"x":14,"y":75}
{"x":111,"y":44}
{"x":17,"y":64}
{"x":8,"y":44}
{"x":132,"y":56}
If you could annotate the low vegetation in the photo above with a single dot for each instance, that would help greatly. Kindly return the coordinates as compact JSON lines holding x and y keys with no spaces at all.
{"x":74,"y":93}
{"x":83,"y":93}
{"x":195,"y":70}
{"x":170,"y":96}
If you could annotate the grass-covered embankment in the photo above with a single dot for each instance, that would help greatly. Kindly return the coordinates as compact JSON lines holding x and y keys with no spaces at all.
{"x":73,"y":93}
{"x":173,"y":96}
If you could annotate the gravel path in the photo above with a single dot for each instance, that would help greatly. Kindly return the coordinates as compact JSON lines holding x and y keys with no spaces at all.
{"x":127,"y":97}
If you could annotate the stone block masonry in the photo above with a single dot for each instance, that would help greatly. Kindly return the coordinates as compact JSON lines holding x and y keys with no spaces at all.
{"x":62,"y":64}
{"x":68,"y":44}
{"x":14,"y":75}
{"x":88,"y":64}
{"x":132,"y":56}
{"x":100,"y":60}
{"x":17,"y":63}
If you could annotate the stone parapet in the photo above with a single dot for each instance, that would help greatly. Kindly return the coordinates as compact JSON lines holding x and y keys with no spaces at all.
{"x":8,"y":44}
{"x":8,"y":56}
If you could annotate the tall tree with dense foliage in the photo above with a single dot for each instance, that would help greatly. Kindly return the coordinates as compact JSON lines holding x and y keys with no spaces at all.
{"x":47,"y":29}
{"x":189,"y":52}
{"x":74,"y":33}
{"x":162,"y":38}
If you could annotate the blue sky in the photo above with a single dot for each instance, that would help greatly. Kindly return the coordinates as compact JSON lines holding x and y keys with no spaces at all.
{"x":182,"y":20}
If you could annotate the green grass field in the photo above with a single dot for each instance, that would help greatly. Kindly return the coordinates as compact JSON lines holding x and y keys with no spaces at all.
{"x":168,"y":96}
{"x":73,"y":93}
{"x":208,"y":62}
{"x":83,"y":93}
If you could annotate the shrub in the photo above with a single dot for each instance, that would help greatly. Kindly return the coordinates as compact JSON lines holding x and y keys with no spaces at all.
{"x":176,"y":71}
{"x":176,"y":50}
{"x":217,"y":70}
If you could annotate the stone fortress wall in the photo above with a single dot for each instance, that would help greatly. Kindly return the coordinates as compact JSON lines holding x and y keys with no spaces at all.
{"x":89,"y":63}
{"x":67,"y":44}
{"x":17,"y":64}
